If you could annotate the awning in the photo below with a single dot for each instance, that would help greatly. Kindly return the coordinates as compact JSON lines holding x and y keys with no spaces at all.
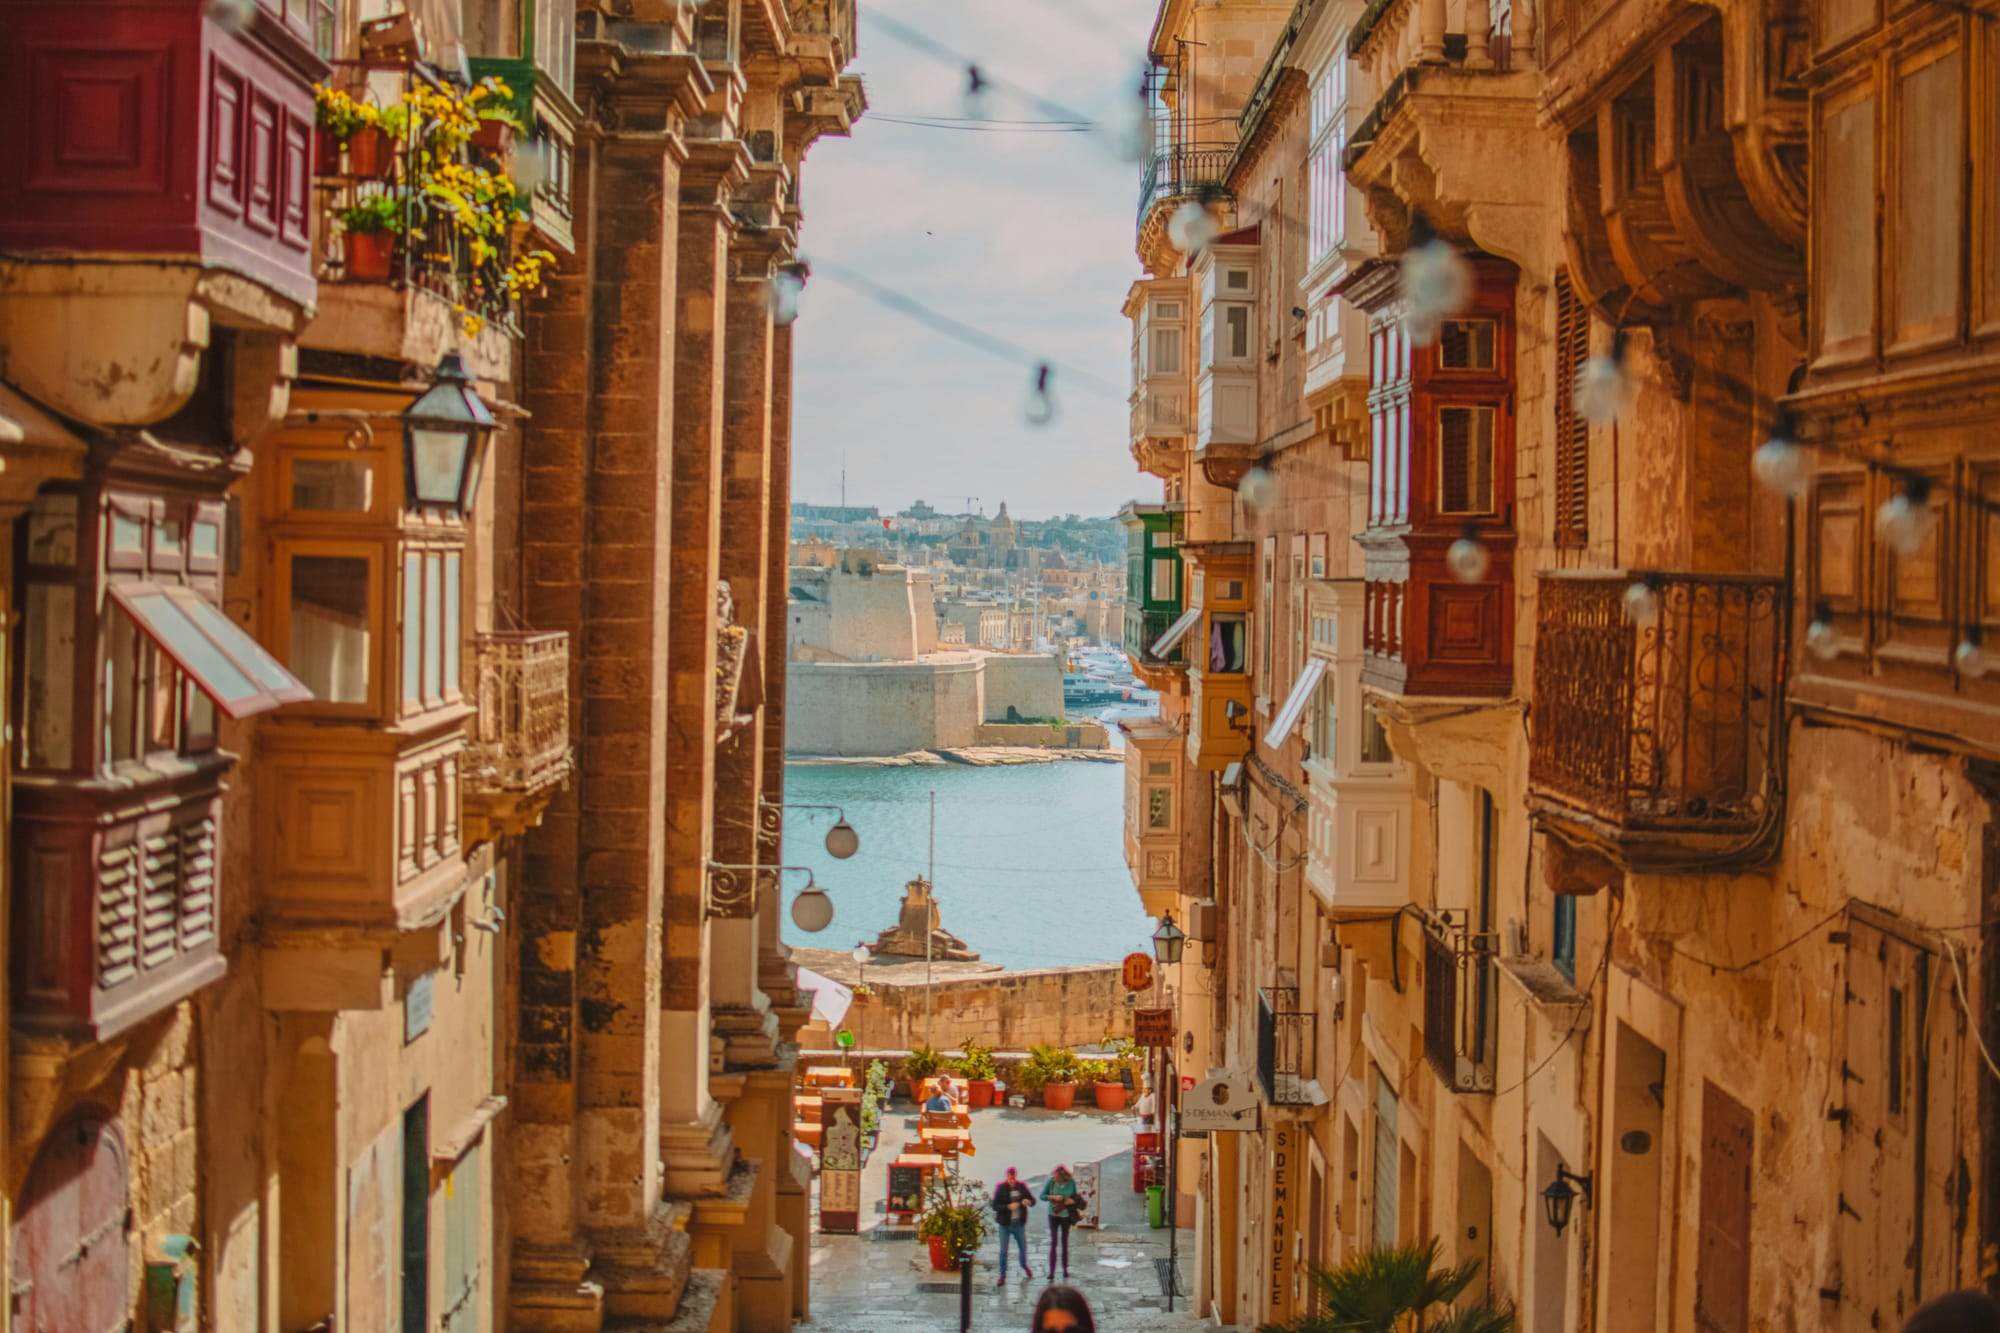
{"x":228,"y":665}
{"x":1176,"y":632}
{"x":831,"y":999}
{"x":1295,"y":702}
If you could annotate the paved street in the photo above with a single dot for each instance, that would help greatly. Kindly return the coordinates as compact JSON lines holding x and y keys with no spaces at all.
{"x":881,"y":1281}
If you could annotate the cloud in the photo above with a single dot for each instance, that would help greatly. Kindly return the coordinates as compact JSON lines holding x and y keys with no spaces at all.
{"x":1026,"y":236}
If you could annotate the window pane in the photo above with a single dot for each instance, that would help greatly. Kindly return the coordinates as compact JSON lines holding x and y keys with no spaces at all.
{"x":1929,"y":200}
{"x":167,"y":541}
{"x":451,"y":626}
{"x":1162,"y":589}
{"x":121,"y":687}
{"x":128,"y":535}
{"x":336,"y":485}
{"x":163,"y":701}
{"x":413,"y":619}
{"x":1845,"y":226}
{"x":1159,"y":808}
{"x":1226,"y":643}
{"x":201,"y":717}
{"x":263,"y":667}
{"x":49,"y":687}
{"x":1166,"y":352}
{"x":1465,"y":460}
{"x":433,"y":627}
{"x":178,"y":634}
{"x":1236,"y":332}
{"x":1374,"y":740}
{"x":330,"y":629}
{"x":1466,"y":344}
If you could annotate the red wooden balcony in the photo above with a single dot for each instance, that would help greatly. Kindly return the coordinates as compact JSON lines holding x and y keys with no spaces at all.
{"x":115,"y":898}
{"x":1657,"y":744}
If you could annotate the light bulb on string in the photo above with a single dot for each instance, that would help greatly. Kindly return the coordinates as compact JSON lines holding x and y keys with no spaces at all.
{"x":1436,"y":282}
{"x":1969,"y":658}
{"x":1642,"y":604}
{"x":1821,"y":641}
{"x":1258,"y":490}
{"x":1906,"y":519}
{"x":1466,"y":558}
{"x":787,"y":285}
{"x":1781,"y":462}
{"x":977,"y":98}
{"x":1600,"y":389}
{"x":1040,"y":409}
{"x":232,"y":16}
{"x":1192,"y":227}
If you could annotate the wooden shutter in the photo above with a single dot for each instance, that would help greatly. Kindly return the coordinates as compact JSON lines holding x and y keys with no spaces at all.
{"x":1387,"y":1162}
{"x":1572,"y":434}
{"x":1722,"y":1254}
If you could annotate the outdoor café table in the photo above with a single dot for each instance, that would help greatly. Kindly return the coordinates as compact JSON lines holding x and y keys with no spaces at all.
{"x":829,"y":1076}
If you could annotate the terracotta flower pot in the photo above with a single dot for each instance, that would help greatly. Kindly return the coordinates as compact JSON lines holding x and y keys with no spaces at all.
{"x":978,"y":1093}
{"x":1058,"y":1096}
{"x":368,"y":255}
{"x":371,"y":153}
{"x":326,"y":152}
{"x":941,"y":1262}
{"x":495,"y":136}
{"x":1110,"y":1096}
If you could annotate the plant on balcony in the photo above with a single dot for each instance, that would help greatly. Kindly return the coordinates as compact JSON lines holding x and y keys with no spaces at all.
{"x":498,"y":125}
{"x":1398,"y":1289}
{"x":954,"y":1221}
{"x":369,"y":228}
{"x":369,"y":135}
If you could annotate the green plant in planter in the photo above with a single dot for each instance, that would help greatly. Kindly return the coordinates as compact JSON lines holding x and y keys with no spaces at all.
{"x":921,"y":1062}
{"x":1093,"y":1071}
{"x":337,"y":112}
{"x":956,"y":1212}
{"x":394,"y":121}
{"x":506,"y":115}
{"x":977,"y":1062}
{"x":373,"y":214}
{"x":1046,"y":1065}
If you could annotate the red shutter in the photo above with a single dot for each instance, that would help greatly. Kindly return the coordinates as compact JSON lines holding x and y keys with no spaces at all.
{"x":1572,"y":433}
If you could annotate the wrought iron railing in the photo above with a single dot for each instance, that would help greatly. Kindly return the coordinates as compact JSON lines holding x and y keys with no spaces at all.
{"x":1143,"y":629}
{"x":1284,"y":1046}
{"x":1657,"y":697}
{"x":521,"y":739}
{"x":1184,"y":171}
{"x":1459,"y":1009}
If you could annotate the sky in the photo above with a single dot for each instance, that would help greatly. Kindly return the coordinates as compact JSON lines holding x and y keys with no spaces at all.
{"x":1026,"y":235}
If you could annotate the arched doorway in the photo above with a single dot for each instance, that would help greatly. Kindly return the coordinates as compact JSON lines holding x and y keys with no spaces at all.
{"x":72,"y":1241}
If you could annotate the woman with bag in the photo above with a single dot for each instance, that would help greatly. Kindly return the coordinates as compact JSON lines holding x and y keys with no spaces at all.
{"x":1065,"y":1206}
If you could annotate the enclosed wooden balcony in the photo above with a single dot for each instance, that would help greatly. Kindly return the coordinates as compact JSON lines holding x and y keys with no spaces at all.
{"x":1656,"y":744}
{"x":520,"y":751}
{"x":1154,"y":819}
{"x":115,"y":913}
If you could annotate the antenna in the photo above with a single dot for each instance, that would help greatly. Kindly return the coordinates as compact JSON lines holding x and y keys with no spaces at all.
{"x":843,"y":478}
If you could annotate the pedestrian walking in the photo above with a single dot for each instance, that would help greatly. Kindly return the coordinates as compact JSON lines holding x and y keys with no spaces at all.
{"x":1968,"y":1311}
{"x":1011,"y":1202}
{"x":1062,"y":1310}
{"x":1065,"y":1206}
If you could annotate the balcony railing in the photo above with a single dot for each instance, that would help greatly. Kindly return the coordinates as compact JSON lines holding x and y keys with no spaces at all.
{"x":1664,"y":731}
{"x":1184,"y":171}
{"x":1459,"y":1009}
{"x":118,"y":917}
{"x":1144,"y":628}
{"x":521,"y":748}
{"x":1284,"y":1046}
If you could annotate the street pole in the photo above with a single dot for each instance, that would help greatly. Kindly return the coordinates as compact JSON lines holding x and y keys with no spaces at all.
{"x":930,"y":996}
{"x":1173,"y":1223}
{"x":965,"y":1286}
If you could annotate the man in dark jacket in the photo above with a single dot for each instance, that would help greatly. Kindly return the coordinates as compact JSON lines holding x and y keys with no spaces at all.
{"x":1011,"y":1202}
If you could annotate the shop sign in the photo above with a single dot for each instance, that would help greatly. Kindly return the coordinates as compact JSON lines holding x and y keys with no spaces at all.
{"x":1224,"y":1105}
{"x":1153,"y":1027}
{"x":1138,"y":971}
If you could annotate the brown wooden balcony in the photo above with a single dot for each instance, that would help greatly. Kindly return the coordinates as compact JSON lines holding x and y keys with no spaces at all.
{"x":115,"y":897}
{"x":520,"y":751}
{"x":1657,"y":745}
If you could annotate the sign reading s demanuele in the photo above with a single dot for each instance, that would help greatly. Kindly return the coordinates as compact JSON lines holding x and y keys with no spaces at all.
{"x":1220,"y":1103}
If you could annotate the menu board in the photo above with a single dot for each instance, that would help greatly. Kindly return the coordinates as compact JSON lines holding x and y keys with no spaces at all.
{"x":840,"y":1202}
{"x":906,"y":1189}
{"x":1089,"y":1181}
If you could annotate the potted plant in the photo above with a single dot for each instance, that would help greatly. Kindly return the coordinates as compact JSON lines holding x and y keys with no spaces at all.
{"x":921,"y":1063}
{"x":1110,"y":1090}
{"x":372,"y":145}
{"x":1051,"y":1071}
{"x":497,"y":127}
{"x":368,"y":231}
{"x":976,"y":1063}
{"x":1106,"y":1091}
{"x":955,"y":1219}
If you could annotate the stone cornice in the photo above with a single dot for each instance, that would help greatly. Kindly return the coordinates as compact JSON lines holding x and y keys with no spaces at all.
{"x":627,"y":93}
{"x":714,"y":170}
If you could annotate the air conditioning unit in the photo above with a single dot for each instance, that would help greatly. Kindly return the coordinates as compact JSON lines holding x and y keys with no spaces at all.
{"x":1201,"y":921}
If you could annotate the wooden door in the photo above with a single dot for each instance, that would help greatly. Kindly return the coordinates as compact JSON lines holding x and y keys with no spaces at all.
{"x":72,"y":1242}
{"x":1722,"y":1253}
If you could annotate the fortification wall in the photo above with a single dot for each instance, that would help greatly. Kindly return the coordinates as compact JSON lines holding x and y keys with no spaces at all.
{"x":881,"y":708}
{"x":1030,"y":683}
{"x":1009,"y":1011}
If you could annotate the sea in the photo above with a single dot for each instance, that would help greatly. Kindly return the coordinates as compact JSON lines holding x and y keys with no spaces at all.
{"x":1030,"y":861}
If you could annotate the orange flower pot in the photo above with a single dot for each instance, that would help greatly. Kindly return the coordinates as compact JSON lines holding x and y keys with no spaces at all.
{"x":979,"y":1093}
{"x":1110,"y":1096}
{"x":1058,"y":1096}
{"x":368,"y":256}
{"x":371,"y":153}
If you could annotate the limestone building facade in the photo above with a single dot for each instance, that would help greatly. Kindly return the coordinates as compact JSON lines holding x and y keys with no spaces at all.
{"x":1579,"y":802}
{"x":393,"y":613}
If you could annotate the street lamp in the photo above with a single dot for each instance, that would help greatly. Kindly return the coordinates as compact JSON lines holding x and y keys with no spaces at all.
{"x":862,"y":953}
{"x":444,"y":439}
{"x":1559,"y":1197}
{"x":841,"y":840}
{"x":812,"y":910}
{"x":1168,"y":941}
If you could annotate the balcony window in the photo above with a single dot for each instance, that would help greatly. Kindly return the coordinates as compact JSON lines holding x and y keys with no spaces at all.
{"x":1374,"y":737}
{"x":1227,"y":643}
{"x":552,"y":29}
{"x":343,"y":485}
{"x":1467,"y":344}
{"x":1284,"y":1046}
{"x":1166,"y":352}
{"x":1160,"y":809}
{"x":430,"y":637}
{"x":1164,"y":585}
{"x":331,"y":630}
{"x":1465,"y":460}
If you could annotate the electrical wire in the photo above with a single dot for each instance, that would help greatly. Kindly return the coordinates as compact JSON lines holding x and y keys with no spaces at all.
{"x":1765,"y":957}
{"x":1589,"y":994}
{"x":1972,"y":1019}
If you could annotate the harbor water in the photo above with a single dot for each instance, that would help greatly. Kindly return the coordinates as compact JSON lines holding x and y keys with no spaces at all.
{"x":1030,"y":857}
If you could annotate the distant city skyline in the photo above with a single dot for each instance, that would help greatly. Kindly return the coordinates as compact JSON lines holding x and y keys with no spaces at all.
{"x":1025,"y":234}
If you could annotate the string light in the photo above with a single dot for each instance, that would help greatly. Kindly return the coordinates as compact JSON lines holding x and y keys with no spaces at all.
{"x":1642,"y":605}
{"x":1821,"y":641}
{"x":1041,"y":407}
{"x":1466,"y":558}
{"x":1600,"y":389}
{"x":1192,"y":227}
{"x":1436,"y":282}
{"x":1906,"y":519}
{"x":1258,"y":490}
{"x":1781,"y":462}
{"x":1971,"y":662}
